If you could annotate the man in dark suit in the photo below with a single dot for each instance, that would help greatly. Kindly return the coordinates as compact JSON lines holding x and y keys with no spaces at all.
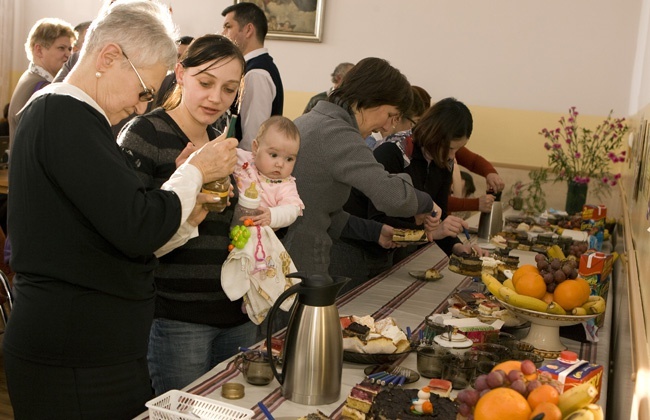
{"x":246,"y":25}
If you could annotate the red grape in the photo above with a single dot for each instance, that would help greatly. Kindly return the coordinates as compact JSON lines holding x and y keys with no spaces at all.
{"x":472,"y":397}
{"x":495,"y":380}
{"x":520,"y":386}
{"x":480,"y":383}
{"x":528,"y":367}
{"x":533,"y":384}
{"x":514,"y":375}
{"x":464,"y":409}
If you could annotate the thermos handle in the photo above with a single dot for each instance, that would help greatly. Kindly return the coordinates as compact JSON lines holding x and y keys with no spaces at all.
{"x":269,"y":328}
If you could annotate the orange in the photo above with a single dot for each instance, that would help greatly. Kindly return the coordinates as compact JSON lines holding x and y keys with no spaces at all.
{"x":526,"y":268}
{"x":531,"y":284}
{"x":509,"y":365}
{"x":542,"y":394}
{"x":502,"y":403}
{"x":548,"y":297}
{"x":550,"y":410}
{"x":584,"y":284}
{"x":570,"y":294}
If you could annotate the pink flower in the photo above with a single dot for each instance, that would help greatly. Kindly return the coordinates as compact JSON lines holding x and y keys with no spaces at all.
{"x":577,"y":155}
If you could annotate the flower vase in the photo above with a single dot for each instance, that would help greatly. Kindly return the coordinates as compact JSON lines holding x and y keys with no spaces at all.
{"x":576,"y":197}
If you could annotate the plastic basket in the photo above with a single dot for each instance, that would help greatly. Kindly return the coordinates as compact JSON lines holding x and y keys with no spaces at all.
{"x":174,"y":404}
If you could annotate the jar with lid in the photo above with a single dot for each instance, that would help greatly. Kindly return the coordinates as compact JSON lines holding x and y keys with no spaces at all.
{"x":219,"y":187}
{"x":247,"y":206}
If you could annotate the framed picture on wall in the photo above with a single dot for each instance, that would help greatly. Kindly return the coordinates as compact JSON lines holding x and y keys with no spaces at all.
{"x":292,"y":20}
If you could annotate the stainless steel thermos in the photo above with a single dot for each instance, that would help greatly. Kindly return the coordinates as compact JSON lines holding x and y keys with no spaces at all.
{"x":312,"y":355}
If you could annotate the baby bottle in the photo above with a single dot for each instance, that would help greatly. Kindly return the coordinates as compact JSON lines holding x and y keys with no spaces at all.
{"x":219,"y":187}
{"x":247,"y":206}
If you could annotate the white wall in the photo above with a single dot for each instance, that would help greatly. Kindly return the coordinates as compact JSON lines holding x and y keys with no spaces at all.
{"x":531,"y":55}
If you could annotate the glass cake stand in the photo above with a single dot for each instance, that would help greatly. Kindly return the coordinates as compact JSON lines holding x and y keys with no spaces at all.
{"x":544,"y":333}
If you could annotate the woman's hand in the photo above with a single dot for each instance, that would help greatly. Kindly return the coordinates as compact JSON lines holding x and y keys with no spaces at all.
{"x":467,"y":248}
{"x":485,"y":203}
{"x":386,"y":238}
{"x":263,"y":219}
{"x":431,"y":223}
{"x":217,"y":159}
{"x":451,"y":226}
{"x":199,"y":211}
{"x":189,"y":149}
{"x":494,"y":182}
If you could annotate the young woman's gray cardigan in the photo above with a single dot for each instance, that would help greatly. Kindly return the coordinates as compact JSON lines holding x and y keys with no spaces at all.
{"x":333,"y":158}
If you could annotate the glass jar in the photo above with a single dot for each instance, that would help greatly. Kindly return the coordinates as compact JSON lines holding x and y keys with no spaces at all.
{"x":221,"y":188}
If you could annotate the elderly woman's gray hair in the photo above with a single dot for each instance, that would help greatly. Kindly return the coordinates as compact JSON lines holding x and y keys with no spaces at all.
{"x":142,"y":28}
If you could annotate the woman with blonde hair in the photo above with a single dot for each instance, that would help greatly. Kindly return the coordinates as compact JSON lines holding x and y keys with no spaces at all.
{"x":48,"y":47}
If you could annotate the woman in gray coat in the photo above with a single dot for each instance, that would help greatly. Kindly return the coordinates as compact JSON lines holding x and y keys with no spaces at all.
{"x":333,"y":158}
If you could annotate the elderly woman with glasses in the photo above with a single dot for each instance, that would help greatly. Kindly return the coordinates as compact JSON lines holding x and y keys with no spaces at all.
{"x":85,"y":230}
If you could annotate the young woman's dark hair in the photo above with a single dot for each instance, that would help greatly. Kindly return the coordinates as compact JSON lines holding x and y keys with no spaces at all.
{"x":469,"y":188}
{"x":421,"y":102}
{"x":213,"y":50}
{"x":246,"y":13}
{"x":447,"y":120}
{"x":373,"y":82}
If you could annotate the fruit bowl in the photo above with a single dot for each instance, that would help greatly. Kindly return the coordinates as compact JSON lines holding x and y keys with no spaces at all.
{"x":544,"y":333}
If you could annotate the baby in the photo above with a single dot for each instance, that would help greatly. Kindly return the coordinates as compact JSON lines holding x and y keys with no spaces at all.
{"x":269,"y":166}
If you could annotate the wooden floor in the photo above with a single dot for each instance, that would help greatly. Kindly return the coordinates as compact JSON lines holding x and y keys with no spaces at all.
{"x":6,"y":413}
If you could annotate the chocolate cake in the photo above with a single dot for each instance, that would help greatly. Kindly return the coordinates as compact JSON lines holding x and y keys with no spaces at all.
{"x":356,"y":330}
{"x":395,"y":404}
{"x":466,"y":264}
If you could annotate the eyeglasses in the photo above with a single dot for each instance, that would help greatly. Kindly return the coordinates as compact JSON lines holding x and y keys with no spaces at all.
{"x":147,"y":95}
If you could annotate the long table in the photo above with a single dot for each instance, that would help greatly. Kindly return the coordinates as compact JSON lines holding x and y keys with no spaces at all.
{"x":394,"y":293}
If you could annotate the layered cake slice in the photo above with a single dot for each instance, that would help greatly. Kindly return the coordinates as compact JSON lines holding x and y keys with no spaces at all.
{"x":408,"y":235}
{"x":359,"y":401}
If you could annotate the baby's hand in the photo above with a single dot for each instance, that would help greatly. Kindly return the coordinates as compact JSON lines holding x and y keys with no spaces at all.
{"x":262,"y":219}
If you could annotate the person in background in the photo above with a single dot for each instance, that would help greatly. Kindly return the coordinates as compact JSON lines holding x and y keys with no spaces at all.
{"x":80,"y":30}
{"x":48,"y":47}
{"x":195,"y":326}
{"x":333,"y":159}
{"x":363,"y":260}
{"x":480,"y":166}
{"x":4,"y":122}
{"x":84,"y":255}
{"x":169,"y":82}
{"x":337,"y":76}
{"x":245,"y":24}
{"x":442,"y":130}
{"x":462,"y":186}
{"x":402,"y":128}
{"x":269,"y":166}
